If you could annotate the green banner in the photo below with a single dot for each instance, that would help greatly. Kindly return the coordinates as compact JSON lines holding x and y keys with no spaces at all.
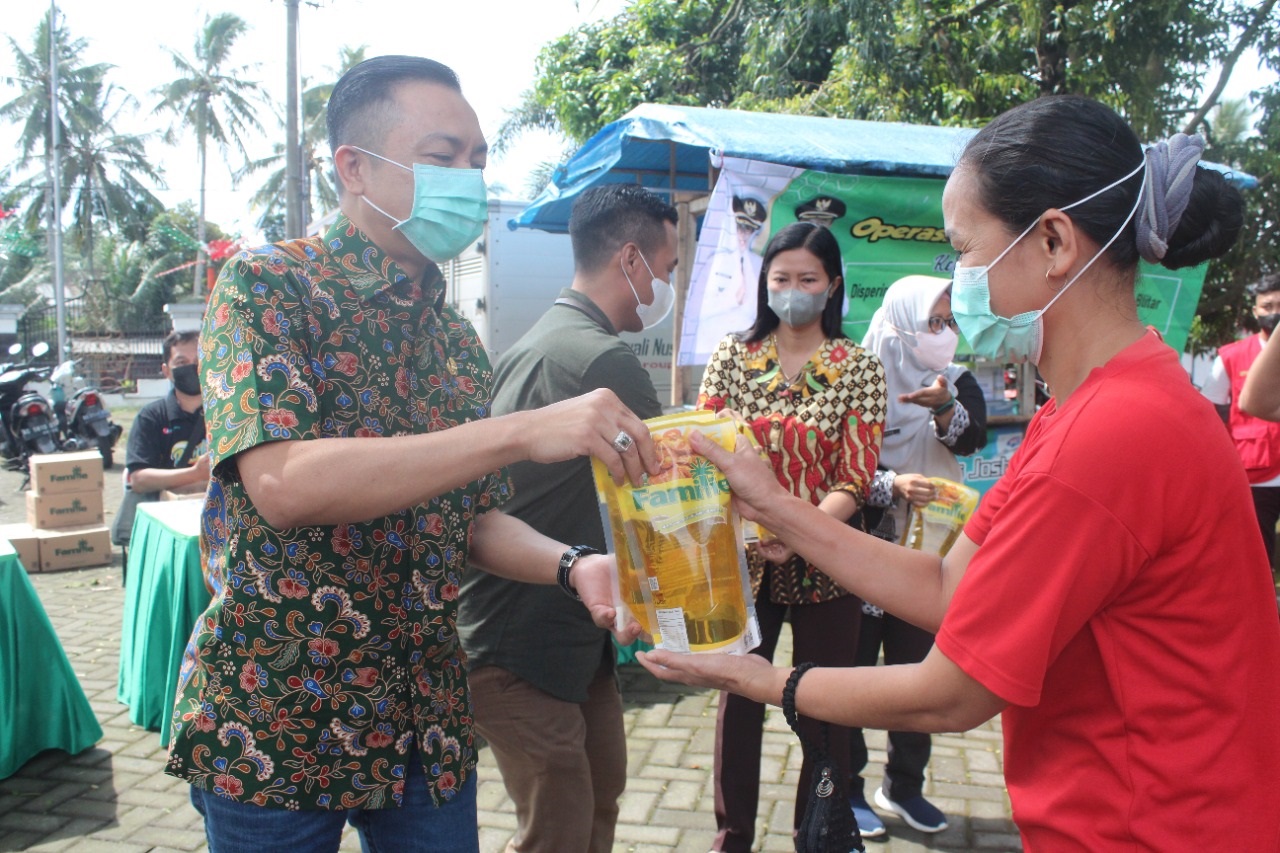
{"x":893,"y":227}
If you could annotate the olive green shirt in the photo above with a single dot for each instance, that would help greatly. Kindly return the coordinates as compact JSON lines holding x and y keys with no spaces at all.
{"x":536,"y":631}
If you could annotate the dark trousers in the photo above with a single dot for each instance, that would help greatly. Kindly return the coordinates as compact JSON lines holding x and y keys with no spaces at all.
{"x":1266,"y":503}
{"x":826,"y":634}
{"x":908,"y":751}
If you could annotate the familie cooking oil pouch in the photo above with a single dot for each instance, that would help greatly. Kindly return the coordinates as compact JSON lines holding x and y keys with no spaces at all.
{"x":936,"y":526}
{"x":682,"y":569}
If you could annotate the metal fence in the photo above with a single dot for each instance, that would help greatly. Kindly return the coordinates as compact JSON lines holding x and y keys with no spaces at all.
{"x":112,"y":361}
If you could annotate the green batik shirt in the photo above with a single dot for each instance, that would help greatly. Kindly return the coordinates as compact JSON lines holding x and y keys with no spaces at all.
{"x":329,"y":657}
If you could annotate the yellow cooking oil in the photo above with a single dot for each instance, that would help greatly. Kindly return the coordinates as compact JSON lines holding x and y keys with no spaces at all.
{"x":936,"y":526}
{"x":681,"y":566}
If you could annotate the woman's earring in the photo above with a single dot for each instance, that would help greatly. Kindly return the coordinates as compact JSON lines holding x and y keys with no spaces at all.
{"x":1049,"y":273}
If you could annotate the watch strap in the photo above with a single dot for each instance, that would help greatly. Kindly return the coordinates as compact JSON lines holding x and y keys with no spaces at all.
{"x":567,"y":559}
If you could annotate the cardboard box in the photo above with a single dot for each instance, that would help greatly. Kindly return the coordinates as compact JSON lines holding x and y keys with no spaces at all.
{"x":25,"y":539}
{"x":60,"y":473}
{"x":74,"y":548}
{"x":73,"y":509}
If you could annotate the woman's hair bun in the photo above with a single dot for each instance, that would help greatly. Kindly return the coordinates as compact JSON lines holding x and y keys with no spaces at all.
{"x":1210,"y":224}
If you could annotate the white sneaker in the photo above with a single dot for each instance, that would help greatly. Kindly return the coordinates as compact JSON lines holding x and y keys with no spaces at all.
{"x":919,"y":813}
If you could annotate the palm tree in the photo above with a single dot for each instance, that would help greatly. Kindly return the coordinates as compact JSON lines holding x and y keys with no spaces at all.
{"x":322,"y":193}
{"x":1231,"y":121}
{"x":31,"y":107}
{"x":218,"y":103}
{"x":531,"y":116}
{"x":107,"y":174}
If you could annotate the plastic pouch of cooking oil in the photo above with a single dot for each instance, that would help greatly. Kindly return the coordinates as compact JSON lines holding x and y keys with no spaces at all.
{"x":936,"y":526}
{"x":682,"y":569}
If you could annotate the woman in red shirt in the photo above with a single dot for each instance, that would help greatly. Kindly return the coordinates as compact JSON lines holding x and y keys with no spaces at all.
{"x":1111,"y":596}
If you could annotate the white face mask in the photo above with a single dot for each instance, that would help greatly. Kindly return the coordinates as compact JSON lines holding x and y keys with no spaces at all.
{"x":664,"y":296}
{"x":934,"y":351}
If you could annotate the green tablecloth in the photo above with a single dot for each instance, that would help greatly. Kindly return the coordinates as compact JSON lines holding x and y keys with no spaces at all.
{"x":165,"y":594}
{"x":42,"y":705}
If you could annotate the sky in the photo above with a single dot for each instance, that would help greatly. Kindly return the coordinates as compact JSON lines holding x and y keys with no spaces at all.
{"x":492,"y":44}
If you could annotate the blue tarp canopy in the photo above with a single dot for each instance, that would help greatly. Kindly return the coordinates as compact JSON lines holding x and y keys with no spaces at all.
{"x":667,"y":148}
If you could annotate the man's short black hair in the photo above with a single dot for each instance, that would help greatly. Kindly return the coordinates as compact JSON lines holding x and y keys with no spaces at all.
{"x":358,"y":111}
{"x":607,"y":217}
{"x":173,"y":339}
{"x":1269,"y":283}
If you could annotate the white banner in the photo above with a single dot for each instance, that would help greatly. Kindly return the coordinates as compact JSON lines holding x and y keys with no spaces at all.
{"x":726,"y":267}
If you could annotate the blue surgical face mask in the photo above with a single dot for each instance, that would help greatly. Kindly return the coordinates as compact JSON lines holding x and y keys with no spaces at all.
{"x":1021,"y":337}
{"x":450,"y":207}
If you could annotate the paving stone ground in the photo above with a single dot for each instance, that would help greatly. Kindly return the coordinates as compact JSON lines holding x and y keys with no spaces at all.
{"x":116,"y":798}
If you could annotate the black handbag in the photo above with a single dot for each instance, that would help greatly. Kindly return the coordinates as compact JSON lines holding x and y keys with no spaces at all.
{"x":828,"y":825}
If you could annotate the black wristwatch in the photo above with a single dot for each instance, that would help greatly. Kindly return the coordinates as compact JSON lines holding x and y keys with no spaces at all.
{"x":566,"y":563}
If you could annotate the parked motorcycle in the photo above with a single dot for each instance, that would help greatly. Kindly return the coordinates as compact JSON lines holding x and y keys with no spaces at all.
{"x":83,"y":421}
{"x":27,"y":417}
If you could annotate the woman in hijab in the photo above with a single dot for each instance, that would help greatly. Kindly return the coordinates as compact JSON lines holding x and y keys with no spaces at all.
{"x":936,"y":412}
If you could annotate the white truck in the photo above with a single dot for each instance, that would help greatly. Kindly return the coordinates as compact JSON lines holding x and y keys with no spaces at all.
{"x":508,"y":279}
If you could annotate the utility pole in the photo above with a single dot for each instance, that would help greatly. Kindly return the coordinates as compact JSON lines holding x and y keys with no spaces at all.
{"x":55,"y":184}
{"x":294,"y":203}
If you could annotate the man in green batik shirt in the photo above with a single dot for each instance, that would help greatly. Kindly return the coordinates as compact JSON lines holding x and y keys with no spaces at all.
{"x":355,"y":474}
{"x":542,"y":673}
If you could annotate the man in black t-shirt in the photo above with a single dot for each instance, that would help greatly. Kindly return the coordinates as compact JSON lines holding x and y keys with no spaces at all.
{"x":167,"y":440}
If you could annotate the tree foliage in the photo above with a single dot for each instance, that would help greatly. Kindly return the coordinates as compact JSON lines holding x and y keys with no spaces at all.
{"x":942,"y":62}
{"x":1226,"y":302}
{"x":31,"y":107}
{"x":105,"y":176}
{"x":317,"y":164}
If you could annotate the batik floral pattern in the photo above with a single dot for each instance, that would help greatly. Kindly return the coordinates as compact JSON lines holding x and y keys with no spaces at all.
{"x":329,"y":658}
{"x":822,"y":432}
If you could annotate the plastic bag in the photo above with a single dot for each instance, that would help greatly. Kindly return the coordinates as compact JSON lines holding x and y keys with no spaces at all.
{"x":936,"y":526}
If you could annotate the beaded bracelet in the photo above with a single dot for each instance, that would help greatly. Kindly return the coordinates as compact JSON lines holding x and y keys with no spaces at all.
{"x":944,"y":408}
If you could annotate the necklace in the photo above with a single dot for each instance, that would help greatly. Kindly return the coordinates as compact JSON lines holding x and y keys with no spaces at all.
{"x":787,"y":380}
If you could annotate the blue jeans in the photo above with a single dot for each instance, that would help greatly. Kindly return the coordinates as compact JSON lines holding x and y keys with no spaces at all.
{"x":418,"y":826}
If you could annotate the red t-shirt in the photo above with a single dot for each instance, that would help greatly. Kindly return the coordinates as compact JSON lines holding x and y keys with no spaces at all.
{"x":1120,"y":602}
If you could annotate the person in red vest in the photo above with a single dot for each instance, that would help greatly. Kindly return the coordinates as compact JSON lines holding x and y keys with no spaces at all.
{"x":1256,"y":440}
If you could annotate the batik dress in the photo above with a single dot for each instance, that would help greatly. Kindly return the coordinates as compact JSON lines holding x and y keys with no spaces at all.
{"x":822,"y":432}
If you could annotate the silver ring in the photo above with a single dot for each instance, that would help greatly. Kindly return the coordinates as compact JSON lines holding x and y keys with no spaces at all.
{"x":623,"y":442}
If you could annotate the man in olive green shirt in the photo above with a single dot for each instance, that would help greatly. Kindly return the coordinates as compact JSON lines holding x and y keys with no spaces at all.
{"x":544,"y":693}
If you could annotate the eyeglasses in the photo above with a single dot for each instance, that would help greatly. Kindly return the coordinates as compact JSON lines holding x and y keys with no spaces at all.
{"x":937,"y":323}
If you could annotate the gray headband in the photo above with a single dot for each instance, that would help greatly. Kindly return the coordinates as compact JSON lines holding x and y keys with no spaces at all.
{"x":1166,"y":189}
